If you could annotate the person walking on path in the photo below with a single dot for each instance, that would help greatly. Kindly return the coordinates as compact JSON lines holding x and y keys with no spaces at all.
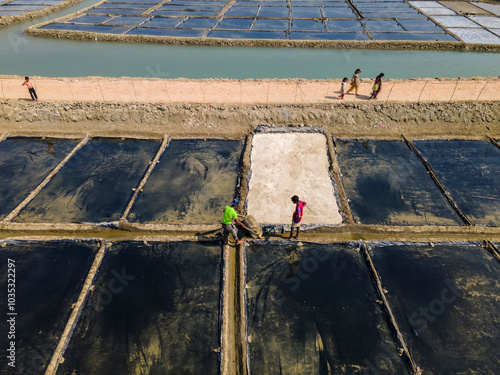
{"x":343,"y":87}
{"x":377,"y":86}
{"x":355,"y":81}
{"x":297,"y":216}
{"x":31,"y":89}
{"x":227,"y":222}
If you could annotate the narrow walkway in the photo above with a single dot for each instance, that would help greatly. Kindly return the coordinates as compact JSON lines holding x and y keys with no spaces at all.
{"x":214,"y":91}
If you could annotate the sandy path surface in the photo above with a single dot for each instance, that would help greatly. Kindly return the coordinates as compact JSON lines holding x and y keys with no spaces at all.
{"x":290,"y":164}
{"x":266,"y":91}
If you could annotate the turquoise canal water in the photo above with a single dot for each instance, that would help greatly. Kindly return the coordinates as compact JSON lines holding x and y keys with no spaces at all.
{"x":24,"y":55}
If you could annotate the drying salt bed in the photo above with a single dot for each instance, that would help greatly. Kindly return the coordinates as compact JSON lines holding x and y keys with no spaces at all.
{"x":387,"y":184}
{"x":94,"y":185}
{"x":464,"y":20}
{"x":312,"y":310}
{"x":470,"y":171}
{"x":287,"y":164}
{"x":192,"y":181}
{"x":24,"y":163}
{"x":48,"y":280}
{"x":445,"y":300}
{"x":161,"y":317}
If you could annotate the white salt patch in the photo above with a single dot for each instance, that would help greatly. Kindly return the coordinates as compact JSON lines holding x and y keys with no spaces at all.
{"x":455,"y":21}
{"x":475,"y":35}
{"x":287,"y":164}
{"x":438,"y":11}
{"x":489,"y":22}
{"x":493,"y":8}
{"x":426,"y":4}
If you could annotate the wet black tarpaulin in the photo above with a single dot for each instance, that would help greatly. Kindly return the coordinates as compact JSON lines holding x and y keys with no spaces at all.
{"x":470,"y":171}
{"x":94,"y":185}
{"x":312,"y":310}
{"x":24,"y":163}
{"x":192,"y":181}
{"x":445,"y":300}
{"x":387,"y":184}
{"x":47,"y":280}
{"x":154,"y":310}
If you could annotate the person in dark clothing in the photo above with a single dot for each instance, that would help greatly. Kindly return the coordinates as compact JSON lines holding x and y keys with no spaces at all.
{"x":377,"y":86}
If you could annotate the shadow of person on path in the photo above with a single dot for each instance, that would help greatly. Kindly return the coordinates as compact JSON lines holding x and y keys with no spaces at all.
{"x":363,"y":97}
{"x":358,"y":97}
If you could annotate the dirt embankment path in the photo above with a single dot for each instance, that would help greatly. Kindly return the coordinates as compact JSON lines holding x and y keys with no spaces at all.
{"x":364,"y":119}
{"x":151,"y":107}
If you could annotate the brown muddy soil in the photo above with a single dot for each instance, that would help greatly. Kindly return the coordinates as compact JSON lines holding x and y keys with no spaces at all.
{"x":467,"y":120}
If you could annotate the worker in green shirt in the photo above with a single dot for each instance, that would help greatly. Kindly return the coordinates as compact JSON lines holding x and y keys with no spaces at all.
{"x":227,"y":222}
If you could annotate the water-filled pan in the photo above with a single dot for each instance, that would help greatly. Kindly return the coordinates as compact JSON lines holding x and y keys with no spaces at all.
{"x":299,"y":35}
{"x":421,"y":25}
{"x":198,"y":23}
{"x":152,"y":2}
{"x":282,"y":12}
{"x":263,"y":24}
{"x":389,"y":8}
{"x":241,"y":11}
{"x":246,"y":34}
{"x":305,"y":25}
{"x":90,"y":18}
{"x":23,"y":7}
{"x":127,"y":20}
{"x":11,"y":12}
{"x":345,"y":25}
{"x":235,"y":23}
{"x":125,"y":6}
{"x":163,"y":22}
{"x":184,"y":13}
{"x":306,"y":12}
{"x":382,"y":25}
{"x":338,"y":12}
{"x":398,"y":15}
{"x":413,"y":36}
{"x":180,"y":33}
{"x":116,"y":11}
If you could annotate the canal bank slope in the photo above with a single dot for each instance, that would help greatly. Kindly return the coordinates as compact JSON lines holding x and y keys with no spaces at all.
{"x":466,"y":108}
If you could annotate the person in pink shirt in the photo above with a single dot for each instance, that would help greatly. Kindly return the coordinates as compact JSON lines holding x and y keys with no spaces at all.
{"x":297,"y":216}
{"x":31,"y":88}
